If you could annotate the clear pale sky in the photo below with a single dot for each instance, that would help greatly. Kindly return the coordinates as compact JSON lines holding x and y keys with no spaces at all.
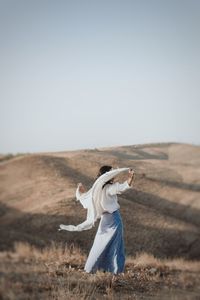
{"x":85,"y":74}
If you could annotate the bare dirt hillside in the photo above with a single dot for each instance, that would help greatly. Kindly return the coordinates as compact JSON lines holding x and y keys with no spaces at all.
{"x":161,"y":214}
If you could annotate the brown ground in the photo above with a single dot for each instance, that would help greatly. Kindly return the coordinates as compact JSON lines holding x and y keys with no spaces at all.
{"x":161,"y":217}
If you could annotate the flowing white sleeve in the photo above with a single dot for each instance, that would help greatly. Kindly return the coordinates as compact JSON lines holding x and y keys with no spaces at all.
{"x":118,"y":188}
{"x":86,"y":201}
{"x":84,"y":198}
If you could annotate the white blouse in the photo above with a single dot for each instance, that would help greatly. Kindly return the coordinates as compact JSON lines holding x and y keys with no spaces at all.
{"x":99,"y":200}
{"x":109,"y":200}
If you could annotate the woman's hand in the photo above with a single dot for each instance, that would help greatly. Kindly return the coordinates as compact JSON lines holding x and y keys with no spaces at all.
{"x":131,"y":176}
{"x":131,"y":172}
{"x":81,"y":188}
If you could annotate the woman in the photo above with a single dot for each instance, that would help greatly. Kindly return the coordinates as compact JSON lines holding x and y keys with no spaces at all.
{"x":107,"y":252}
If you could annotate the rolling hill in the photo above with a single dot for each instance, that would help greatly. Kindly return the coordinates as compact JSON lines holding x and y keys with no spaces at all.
{"x":161,"y":213}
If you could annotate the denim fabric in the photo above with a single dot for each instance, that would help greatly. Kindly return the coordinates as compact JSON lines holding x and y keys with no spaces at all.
{"x":107,"y":253}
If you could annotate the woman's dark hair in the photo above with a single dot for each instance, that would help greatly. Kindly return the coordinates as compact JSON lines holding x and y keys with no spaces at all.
{"x":102,"y":171}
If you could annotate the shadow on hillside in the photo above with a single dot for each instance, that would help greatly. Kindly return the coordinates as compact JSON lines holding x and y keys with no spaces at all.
{"x":178,"y":211}
{"x":140,"y":155}
{"x":60,"y":165}
{"x":41,"y":230}
{"x":180,"y":185}
{"x":161,"y":242}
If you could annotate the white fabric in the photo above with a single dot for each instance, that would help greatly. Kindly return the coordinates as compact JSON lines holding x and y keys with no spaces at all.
{"x":109,"y":200}
{"x":94,"y":199}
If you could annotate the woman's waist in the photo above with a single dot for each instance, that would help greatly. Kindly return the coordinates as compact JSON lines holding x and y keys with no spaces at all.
{"x":109,"y":212}
{"x":110,"y":218}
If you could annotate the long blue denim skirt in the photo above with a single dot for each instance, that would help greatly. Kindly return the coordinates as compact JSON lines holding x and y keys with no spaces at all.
{"x":107,"y":253}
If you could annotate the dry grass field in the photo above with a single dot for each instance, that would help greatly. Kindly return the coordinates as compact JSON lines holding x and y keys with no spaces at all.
{"x":161,"y":216}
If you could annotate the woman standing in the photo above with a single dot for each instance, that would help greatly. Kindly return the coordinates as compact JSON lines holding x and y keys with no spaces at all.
{"x":107,"y":252}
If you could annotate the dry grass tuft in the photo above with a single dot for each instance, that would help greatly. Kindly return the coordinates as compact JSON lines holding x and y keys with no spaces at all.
{"x":184,"y":265}
{"x":54,"y":252}
{"x":144,"y":259}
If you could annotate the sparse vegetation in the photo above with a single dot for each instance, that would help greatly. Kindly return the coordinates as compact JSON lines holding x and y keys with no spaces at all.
{"x":9,"y":156}
{"x":161,"y":225}
{"x":56,"y":272}
{"x":6,"y":157}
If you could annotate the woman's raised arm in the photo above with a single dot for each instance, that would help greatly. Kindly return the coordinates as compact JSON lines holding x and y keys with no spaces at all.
{"x":131,"y":176}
